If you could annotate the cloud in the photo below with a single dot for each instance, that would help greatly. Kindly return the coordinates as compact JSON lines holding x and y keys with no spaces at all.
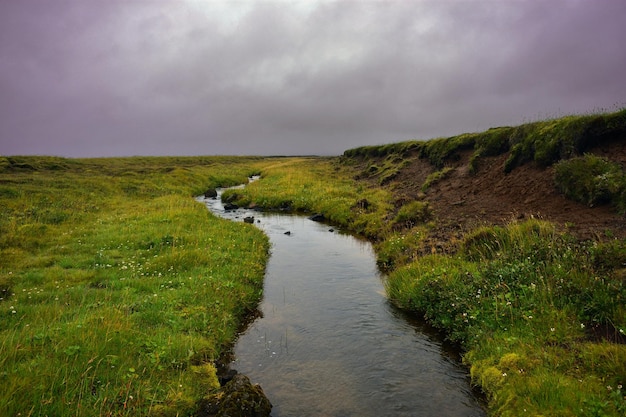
{"x":99,"y":78}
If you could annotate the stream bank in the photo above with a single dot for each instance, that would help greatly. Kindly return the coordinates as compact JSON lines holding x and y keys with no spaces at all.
{"x":329,"y":343}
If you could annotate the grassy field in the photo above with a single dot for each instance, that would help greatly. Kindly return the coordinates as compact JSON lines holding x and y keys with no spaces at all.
{"x":117,"y":289}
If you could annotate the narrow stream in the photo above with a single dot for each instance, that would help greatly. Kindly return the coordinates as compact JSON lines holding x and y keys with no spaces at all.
{"x":329,"y":342}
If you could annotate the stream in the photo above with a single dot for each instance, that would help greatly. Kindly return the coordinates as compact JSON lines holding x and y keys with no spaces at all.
{"x":329,"y":343}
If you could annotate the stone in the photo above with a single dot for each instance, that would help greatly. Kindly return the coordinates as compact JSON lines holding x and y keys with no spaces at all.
{"x":238,"y":398}
{"x":317,"y":217}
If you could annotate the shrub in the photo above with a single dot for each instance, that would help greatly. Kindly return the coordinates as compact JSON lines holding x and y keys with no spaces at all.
{"x":591,"y":180}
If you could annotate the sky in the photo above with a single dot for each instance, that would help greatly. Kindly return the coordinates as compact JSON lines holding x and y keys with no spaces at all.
{"x":94,"y":78}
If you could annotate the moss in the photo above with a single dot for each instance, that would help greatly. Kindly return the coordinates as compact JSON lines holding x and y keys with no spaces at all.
{"x":440,"y":150}
{"x":487,"y":376}
{"x":207,"y":376}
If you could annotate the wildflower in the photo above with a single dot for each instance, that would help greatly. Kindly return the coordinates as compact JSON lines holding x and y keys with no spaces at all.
{"x":582,"y":326}
{"x":504,"y":374}
{"x":552,"y":329}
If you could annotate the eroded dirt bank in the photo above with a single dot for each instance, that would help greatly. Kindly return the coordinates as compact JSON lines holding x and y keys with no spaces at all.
{"x":464,"y":200}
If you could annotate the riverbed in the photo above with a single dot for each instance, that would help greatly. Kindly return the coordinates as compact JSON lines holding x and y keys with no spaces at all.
{"x":329,"y":343}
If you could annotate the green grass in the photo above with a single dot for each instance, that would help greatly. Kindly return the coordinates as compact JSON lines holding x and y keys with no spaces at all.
{"x":318,"y":185}
{"x":528,"y":305}
{"x":535,"y":311}
{"x":543,"y":142}
{"x":592,"y":180}
{"x":118,"y":290}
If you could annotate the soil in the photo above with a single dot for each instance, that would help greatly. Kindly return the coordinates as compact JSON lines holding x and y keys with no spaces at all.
{"x":465,"y":200}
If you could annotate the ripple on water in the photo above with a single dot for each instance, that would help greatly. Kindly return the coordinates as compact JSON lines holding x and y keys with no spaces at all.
{"x":329,"y":343}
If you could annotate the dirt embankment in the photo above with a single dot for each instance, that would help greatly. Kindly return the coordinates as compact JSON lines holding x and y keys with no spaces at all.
{"x":464,"y":200}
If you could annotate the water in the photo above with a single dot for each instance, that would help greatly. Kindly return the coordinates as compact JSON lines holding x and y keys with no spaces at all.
{"x":329,"y":342}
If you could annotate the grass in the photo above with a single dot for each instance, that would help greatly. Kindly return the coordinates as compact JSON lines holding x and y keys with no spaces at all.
{"x":535,"y":312}
{"x":322,"y":186}
{"x":117,"y":289}
{"x":543,"y":142}
{"x":592,"y":180}
{"x":541,"y":317}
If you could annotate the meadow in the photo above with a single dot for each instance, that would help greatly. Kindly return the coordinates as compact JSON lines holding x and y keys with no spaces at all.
{"x":118,"y":290}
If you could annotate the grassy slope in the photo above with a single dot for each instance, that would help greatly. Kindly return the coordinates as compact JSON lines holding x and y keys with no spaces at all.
{"x":117,"y":289}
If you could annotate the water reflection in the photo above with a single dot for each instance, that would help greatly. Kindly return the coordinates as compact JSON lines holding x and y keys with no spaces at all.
{"x":330,"y":344}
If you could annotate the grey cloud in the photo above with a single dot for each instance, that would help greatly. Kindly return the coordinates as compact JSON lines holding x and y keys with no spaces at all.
{"x":91,"y":78}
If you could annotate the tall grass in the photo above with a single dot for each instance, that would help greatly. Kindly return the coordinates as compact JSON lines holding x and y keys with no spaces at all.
{"x":117,"y":289}
{"x":528,"y":304}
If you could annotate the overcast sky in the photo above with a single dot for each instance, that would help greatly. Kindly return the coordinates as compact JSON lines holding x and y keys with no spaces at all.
{"x":89,"y":78}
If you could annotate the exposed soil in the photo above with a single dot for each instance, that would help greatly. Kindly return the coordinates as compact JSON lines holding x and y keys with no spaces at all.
{"x":464,"y":200}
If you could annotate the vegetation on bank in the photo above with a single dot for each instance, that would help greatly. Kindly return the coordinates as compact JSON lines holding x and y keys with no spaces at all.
{"x":118,"y":290}
{"x":540,"y":315}
{"x":564,"y":140}
{"x":317,"y":185}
